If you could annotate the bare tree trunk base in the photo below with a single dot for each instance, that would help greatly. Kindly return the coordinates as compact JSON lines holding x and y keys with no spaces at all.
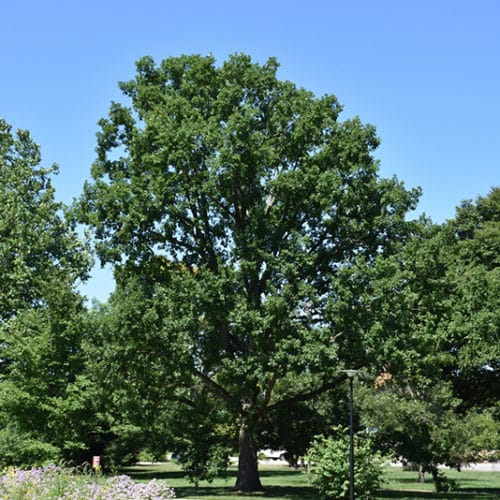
{"x":421,"y":476}
{"x":248,"y":473}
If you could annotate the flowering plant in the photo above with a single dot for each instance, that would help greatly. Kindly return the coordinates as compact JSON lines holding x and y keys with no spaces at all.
{"x":64,"y":483}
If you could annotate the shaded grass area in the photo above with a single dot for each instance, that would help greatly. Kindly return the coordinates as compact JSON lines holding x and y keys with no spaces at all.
{"x":281,"y":482}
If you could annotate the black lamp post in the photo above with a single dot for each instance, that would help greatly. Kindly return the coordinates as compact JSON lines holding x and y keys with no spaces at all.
{"x":351,"y":374}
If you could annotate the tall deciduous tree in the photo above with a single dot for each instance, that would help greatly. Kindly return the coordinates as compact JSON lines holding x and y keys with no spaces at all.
{"x":38,"y":246}
{"x":431,"y":322}
{"x":475,"y":274}
{"x":239,"y":197}
{"x":41,"y":261}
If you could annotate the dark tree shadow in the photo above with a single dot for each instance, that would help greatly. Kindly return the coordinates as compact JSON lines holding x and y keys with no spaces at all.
{"x":463,"y":494}
{"x":285,"y":492}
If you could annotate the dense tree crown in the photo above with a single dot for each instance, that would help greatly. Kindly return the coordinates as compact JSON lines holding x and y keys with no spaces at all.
{"x":41,"y":330}
{"x":38,"y":246}
{"x":237,"y":198}
{"x":432,"y":326}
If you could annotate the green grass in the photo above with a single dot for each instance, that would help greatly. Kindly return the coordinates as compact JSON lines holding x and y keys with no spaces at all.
{"x":284,"y":483}
{"x":478,"y":485}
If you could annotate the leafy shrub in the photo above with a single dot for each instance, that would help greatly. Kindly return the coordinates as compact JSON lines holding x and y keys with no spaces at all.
{"x":329,"y":466}
{"x":444,"y":484}
{"x":57,"y":483}
{"x":23,"y":450}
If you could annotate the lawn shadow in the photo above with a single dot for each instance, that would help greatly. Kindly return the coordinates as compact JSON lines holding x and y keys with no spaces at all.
{"x":494,"y":492}
{"x":291,"y":492}
{"x":274,"y":473}
{"x":285,"y":492}
{"x":412,"y":480}
{"x":463,"y":494}
{"x":146,"y":473}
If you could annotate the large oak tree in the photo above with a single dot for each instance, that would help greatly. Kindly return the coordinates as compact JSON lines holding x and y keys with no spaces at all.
{"x":236,"y":198}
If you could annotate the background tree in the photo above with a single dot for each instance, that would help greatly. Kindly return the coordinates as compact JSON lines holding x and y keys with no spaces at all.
{"x":39,"y":247}
{"x":48,"y":405}
{"x":141,"y":389}
{"x":237,"y":198}
{"x":41,"y":315}
{"x":425,"y":428}
{"x":474,"y":325}
{"x":431,"y":335}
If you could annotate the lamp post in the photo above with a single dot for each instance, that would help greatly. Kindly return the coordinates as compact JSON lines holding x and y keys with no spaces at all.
{"x":351,"y":374}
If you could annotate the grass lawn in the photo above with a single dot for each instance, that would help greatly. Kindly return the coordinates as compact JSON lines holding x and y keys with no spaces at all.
{"x":281,"y":482}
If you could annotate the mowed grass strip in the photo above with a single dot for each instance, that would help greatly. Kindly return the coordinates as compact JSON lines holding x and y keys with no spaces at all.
{"x":403,"y":484}
{"x":281,"y":482}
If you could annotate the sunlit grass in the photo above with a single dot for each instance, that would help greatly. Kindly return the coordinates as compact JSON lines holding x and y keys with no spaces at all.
{"x":404,"y":485}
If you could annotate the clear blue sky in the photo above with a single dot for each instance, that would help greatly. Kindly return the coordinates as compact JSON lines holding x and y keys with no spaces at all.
{"x":426,"y":73}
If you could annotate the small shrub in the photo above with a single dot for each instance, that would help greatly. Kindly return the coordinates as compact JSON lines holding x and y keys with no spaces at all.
{"x":329,"y":466}
{"x":23,"y":450}
{"x":444,"y":484}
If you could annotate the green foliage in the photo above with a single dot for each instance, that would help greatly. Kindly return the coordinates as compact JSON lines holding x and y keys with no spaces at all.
{"x":483,"y":436}
{"x":22,"y":450}
{"x":431,"y":310}
{"x":43,"y":406}
{"x":39,"y":247}
{"x":443,"y":483}
{"x":475,"y":273}
{"x":233,"y":201}
{"x":329,"y":466}
{"x":422,"y":429}
{"x":46,"y":394}
{"x":430,"y":330}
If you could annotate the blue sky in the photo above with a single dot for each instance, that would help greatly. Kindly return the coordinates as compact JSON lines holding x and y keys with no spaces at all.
{"x":426,"y":73}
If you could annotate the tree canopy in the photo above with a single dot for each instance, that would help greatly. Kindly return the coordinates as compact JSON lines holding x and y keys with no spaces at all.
{"x":433,"y":331}
{"x":39,"y":247}
{"x":235,"y":199}
{"x":42,"y":260}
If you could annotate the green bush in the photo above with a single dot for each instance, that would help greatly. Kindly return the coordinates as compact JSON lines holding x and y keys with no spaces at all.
{"x":329,"y":466}
{"x":23,"y":450}
{"x":444,"y":484}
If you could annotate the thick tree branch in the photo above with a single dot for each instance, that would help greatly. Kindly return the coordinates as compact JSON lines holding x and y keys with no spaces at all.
{"x":269,"y":390}
{"x":186,"y":401}
{"x":304,"y":396}
{"x":213,"y":386}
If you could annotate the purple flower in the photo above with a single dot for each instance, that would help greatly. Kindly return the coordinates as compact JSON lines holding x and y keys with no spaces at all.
{"x":69,"y":484}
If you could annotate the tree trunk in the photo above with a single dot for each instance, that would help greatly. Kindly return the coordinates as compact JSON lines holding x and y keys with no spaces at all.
{"x":248,"y":472}
{"x":421,"y":477}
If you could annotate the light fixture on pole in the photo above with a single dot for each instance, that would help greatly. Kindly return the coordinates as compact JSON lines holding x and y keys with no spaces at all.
{"x":351,"y":374}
